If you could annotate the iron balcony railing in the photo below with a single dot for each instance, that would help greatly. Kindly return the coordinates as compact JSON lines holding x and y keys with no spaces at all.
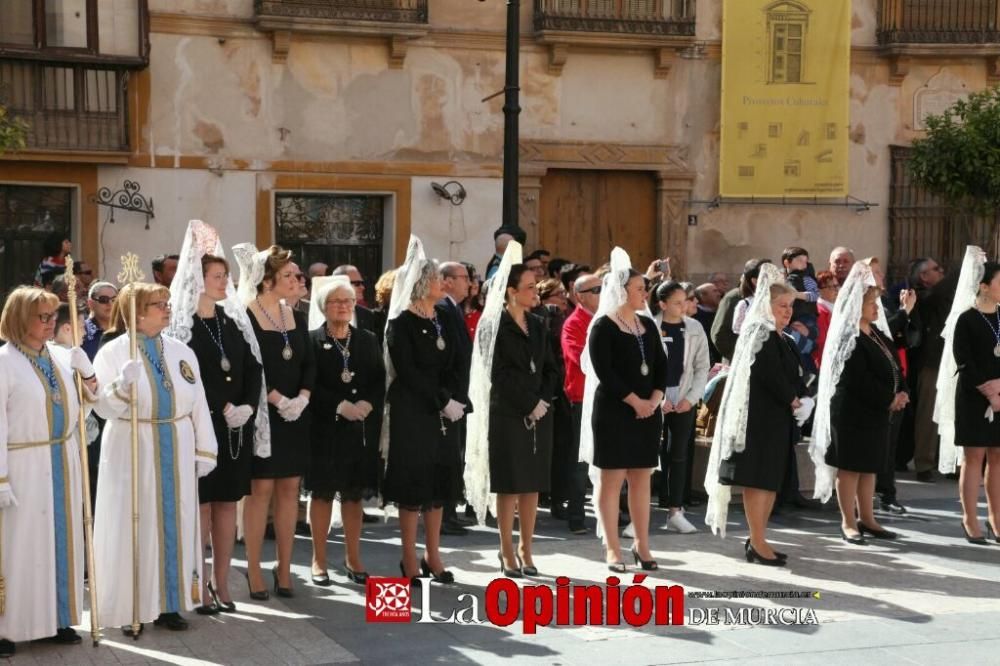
{"x":641,"y":17}
{"x":938,"y":22}
{"x":68,"y":106}
{"x":393,"y":11}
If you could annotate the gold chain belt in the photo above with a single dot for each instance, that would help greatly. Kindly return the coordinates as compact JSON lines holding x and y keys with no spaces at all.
{"x":158,"y":421}
{"x":15,"y":446}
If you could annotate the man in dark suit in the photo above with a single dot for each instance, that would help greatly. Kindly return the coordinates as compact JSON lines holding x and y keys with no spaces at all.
{"x":455,"y":280}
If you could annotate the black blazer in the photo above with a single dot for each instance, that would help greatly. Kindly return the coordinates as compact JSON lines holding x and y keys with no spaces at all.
{"x":457,"y":334}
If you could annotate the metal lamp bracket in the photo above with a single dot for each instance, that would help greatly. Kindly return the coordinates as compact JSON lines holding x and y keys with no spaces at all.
{"x":128,"y":198}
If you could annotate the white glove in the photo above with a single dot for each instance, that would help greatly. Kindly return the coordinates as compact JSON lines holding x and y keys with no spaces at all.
{"x":453,"y":411}
{"x":539,"y":412}
{"x":283,"y":404}
{"x":204,"y":467}
{"x":806,"y":406}
{"x":349,"y":411}
{"x":294,"y":409}
{"x":79,"y":361}
{"x":131,"y":372}
{"x":7,"y":498}
{"x":237,"y":416}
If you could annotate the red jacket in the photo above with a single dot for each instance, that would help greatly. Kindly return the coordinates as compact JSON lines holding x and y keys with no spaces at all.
{"x":823,"y":323}
{"x":574,"y":337}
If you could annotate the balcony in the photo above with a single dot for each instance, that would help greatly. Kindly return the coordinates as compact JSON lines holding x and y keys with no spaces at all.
{"x":662,"y":26}
{"x":938,"y":22}
{"x":69,"y":107}
{"x":936,"y":28}
{"x":397,"y":20}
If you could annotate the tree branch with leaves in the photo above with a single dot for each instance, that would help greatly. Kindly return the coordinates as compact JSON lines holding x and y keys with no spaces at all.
{"x":13,"y":131}
{"x":959,"y":159}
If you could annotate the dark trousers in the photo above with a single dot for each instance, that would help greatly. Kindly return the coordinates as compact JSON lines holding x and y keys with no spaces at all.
{"x":564,"y":453}
{"x":457,"y":430}
{"x":885,"y":482}
{"x":576,"y":489}
{"x":674,"y":456}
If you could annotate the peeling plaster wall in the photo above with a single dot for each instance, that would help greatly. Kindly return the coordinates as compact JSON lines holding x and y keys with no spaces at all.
{"x":178,"y":195}
{"x":442,"y":227}
{"x":336,"y":100}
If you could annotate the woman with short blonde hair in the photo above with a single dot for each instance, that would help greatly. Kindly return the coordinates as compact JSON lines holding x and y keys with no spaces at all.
{"x":41,"y":491}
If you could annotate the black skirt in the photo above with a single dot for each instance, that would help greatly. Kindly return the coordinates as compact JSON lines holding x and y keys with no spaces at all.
{"x":973,"y":346}
{"x":230,"y":480}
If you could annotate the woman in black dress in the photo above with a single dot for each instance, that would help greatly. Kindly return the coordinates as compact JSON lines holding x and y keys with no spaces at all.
{"x":631,"y":366}
{"x":524,"y":381}
{"x":870,"y":390}
{"x":976,"y":345}
{"x":290,"y":372}
{"x":232,"y":380}
{"x":774,"y":389}
{"x":423,"y":464}
{"x":346,"y":423}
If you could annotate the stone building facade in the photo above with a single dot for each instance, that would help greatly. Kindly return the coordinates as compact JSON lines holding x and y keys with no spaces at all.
{"x":323,"y":124}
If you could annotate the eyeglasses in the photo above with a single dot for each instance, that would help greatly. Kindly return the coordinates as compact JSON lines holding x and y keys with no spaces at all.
{"x":105,"y":300}
{"x":46,"y":317}
{"x":340,"y":301}
{"x":357,"y":283}
{"x":454,"y":277}
{"x":161,"y":305}
{"x":593,"y":290}
{"x":300,"y":277}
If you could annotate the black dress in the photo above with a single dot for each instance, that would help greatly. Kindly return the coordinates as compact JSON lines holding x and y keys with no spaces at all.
{"x":422,"y":466}
{"x":289,"y":440}
{"x":621,"y":441}
{"x":230,"y":480}
{"x":774,"y":383}
{"x":345,"y":455}
{"x":859,"y":409}
{"x":973,"y":347}
{"x":523,"y":373}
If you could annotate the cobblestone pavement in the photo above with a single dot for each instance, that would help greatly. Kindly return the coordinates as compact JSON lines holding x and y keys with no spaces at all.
{"x":928,"y":598}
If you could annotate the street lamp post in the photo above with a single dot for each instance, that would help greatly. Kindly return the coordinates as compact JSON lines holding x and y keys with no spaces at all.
{"x":511,"y":110}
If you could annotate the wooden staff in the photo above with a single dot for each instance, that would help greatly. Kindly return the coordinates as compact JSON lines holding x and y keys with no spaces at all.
{"x":88,"y":515}
{"x":129,"y":275}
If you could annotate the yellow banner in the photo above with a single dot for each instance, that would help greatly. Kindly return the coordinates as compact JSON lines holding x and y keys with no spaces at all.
{"x":785,"y":98}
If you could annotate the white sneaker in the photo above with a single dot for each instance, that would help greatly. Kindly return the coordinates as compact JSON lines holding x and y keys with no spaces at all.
{"x":678,"y":523}
{"x":629,"y":531}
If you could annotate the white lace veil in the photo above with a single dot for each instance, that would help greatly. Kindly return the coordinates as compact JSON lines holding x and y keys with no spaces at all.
{"x":731,"y":428}
{"x":477,"y":447}
{"x":951,"y":456}
{"x":841,"y":339}
{"x":251,"y":264}
{"x":185,"y":291}
{"x":402,"y":293}
{"x":612,"y":297}
{"x":322,"y":287}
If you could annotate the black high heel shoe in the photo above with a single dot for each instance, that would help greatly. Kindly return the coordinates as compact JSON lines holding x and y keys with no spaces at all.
{"x":262,"y":595}
{"x":414,"y":580}
{"x":992,"y":533}
{"x":285,"y":592}
{"x":224,"y":607}
{"x":878,"y":534}
{"x":509,"y":573}
{"x":856,"y":540}
{"x":778,"y":554}
{"x":359,"y":577}
{"x":979,"y":541}
{"x":754,"y":557}
{"x":647,"y":565}
{"x":526,"y":570}
{"x":444,"y":576}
